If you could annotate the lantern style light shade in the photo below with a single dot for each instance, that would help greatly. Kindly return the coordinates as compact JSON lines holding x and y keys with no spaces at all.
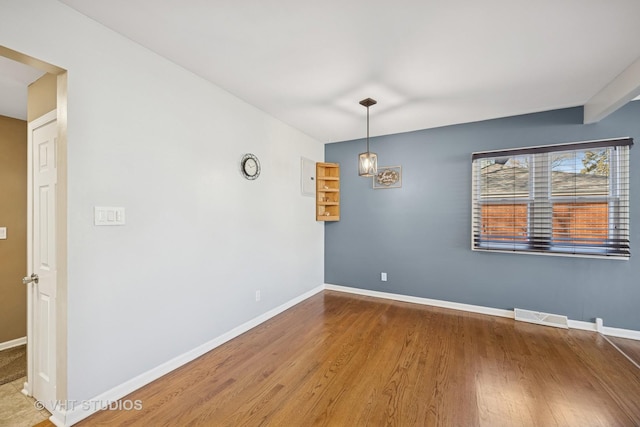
{"x":368,"y":162}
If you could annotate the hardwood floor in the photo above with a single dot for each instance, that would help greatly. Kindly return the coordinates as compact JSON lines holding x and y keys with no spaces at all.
{"x":629,"y":347}
{"x":345,"y":360}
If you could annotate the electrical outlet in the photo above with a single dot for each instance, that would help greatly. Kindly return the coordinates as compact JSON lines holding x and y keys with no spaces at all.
{"x":383,"y":277}
{"x":257,"y":296}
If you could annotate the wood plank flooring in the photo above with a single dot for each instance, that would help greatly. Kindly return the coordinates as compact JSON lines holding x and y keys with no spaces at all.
{"x":629,"y":347}
{"x":343,"y":360}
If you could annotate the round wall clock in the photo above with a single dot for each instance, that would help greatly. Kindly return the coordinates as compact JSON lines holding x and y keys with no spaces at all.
{"x":250,"y":166}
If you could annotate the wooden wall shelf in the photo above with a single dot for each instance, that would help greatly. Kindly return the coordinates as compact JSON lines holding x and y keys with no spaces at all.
{"x":327,"y":192}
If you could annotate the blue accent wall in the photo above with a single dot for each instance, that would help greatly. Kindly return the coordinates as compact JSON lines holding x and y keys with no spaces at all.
{"x":420,"y":234}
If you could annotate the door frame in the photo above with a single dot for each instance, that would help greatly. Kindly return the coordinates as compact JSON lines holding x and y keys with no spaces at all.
{"x":61,"y":230}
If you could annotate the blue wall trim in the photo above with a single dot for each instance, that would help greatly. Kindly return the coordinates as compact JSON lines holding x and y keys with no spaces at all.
{"x":420,"y":234}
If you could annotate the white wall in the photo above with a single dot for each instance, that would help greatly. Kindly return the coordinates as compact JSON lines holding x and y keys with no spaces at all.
{"x":199,"y":239}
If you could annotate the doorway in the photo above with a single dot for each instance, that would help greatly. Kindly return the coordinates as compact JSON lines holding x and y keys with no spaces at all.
{"x":17,"y":409}
{"x":46,"y":337}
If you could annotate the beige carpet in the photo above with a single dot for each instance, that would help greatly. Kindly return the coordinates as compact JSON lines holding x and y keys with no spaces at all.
{"x":13,"y":364}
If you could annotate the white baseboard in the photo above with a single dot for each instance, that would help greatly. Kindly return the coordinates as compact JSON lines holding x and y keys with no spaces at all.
{"x":424,"y":301}
{"x":57,"y":418}
{"x":573,"y":324}
{"x":13,"y":343}
{"x":585,"y":326}
{"x":79,"y":413}
{"x":621,"y":333}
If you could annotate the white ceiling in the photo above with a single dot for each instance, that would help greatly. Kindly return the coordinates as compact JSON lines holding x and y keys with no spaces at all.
{"x":14,"y":79}
{"x":428,"y":63}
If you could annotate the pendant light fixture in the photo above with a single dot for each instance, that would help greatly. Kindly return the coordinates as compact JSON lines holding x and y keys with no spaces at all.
{"x":368,"y":162}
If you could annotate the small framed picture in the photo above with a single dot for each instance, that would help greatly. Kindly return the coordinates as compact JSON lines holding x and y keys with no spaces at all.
{"x":388,"y":177}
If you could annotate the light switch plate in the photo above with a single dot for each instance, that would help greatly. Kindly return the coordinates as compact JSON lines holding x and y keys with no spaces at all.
{"x":3,"y":233}
{"x":108,"y":215}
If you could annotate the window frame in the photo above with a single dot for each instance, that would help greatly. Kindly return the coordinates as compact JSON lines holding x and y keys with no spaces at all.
{"x":540,"y":198}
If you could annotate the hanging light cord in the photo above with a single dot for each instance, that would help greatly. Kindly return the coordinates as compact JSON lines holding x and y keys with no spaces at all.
{"x":367,"y":129}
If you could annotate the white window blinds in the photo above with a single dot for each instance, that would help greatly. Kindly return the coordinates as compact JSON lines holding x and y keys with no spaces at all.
{"x":569,"y":199}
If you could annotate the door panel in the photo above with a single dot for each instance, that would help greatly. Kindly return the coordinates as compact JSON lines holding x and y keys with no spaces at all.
{"x":43,"y":134}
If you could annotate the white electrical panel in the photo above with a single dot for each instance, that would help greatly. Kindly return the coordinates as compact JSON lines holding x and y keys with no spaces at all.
{"x":3,"y":233}
{"x":104,"y":215}
{"x":308,"y":177}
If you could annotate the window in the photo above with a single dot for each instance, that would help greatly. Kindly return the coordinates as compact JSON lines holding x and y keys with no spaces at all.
{"x":569,"y":199}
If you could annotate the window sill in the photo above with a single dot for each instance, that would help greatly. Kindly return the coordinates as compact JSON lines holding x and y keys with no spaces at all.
{"x":551,"y":253}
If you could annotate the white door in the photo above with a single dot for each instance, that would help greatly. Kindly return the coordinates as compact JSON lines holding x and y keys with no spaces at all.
{"x":41,"y":378}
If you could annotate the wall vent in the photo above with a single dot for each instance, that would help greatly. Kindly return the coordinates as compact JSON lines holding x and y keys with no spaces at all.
{"x":541,"y":318}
